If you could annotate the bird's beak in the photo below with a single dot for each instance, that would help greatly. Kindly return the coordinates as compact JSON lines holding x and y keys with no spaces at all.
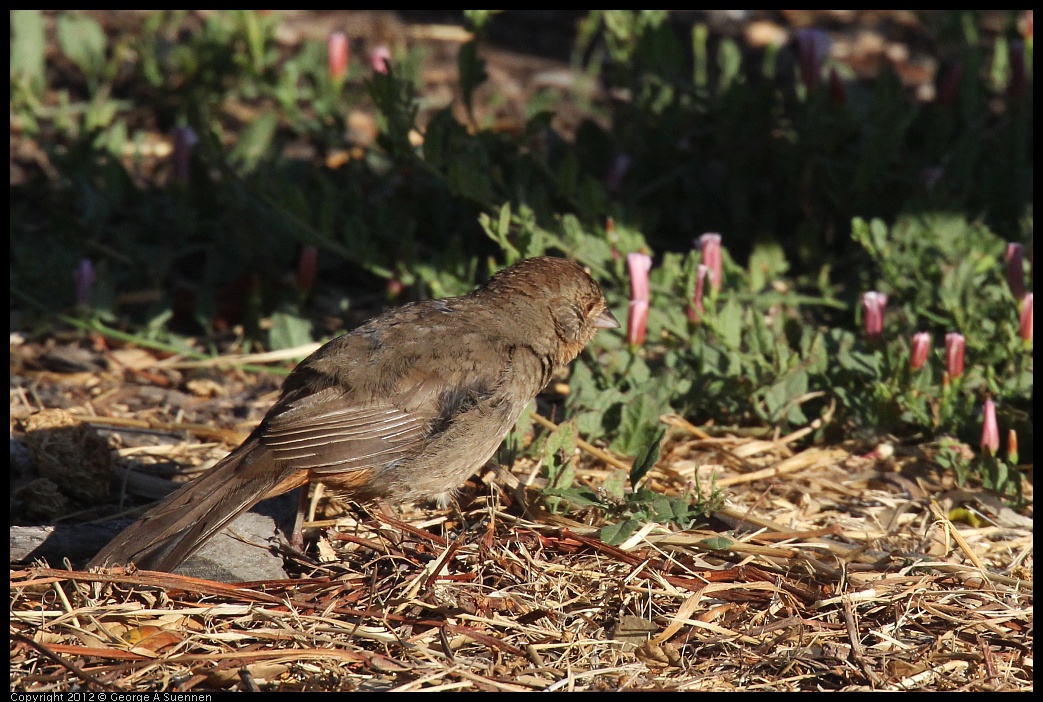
{"x":606,"y":320}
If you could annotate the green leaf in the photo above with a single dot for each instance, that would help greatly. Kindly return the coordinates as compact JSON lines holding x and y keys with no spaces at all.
{"x":525,"y":418}
{"x":796,"y":387}
{"x":667,"y":509}
{"x":767,"y":263}
{"x":576,"y":496}
{"x":647,"y":457}
{"x":468,"y":172}
{"x":255,"y":142}
{"x":397,"y":103}
{"x":730,"y":322}
{"x":472,"y":72}
{"x":561,"y":474}
{"x":614,"y":485}
{"x":638,"y":423}
{"x":562,"y":439}
{"x":83,"y":42}
{"x":499,"y":231}
{"x":616,"y":534}
{"x":779,"y":398}
{"x":878,"y":234}
{"x":477,"y":19}
{"x":729,"y":58}
{"x":288,"y":331}
{"x":28,"y":46}
{"x":860,"y":233}
{"x":718,"y":543}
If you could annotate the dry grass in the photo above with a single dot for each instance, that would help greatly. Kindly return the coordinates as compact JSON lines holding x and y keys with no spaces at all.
{"x":825,"y":570}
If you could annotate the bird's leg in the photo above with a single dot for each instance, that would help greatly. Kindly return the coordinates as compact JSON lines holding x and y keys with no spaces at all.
{"x":297,"y":534}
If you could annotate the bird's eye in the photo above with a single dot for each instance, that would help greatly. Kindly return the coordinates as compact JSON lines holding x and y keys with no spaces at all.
{"x":572,"y":323}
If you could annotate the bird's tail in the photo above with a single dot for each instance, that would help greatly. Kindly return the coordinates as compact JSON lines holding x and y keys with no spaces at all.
{"x":177,"y":527}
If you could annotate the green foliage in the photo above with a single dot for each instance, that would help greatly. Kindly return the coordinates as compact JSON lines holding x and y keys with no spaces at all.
{"x":28,"y":47}
{"x":397,"y":104}
{"x":647,"y":456}
{"x":472,"y":73}
{"x":558,"y":452}
{"x":82,"y":40}
{"x":819,"y":198}
{"x":624,"y":509}
{"x":639,"y":506}
{"x":288,"y":331}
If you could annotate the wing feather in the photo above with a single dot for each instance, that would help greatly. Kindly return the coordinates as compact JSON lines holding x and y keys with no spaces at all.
{"x":331,"y":432}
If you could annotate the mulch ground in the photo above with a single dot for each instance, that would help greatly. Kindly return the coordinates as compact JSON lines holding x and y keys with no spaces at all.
{"x":825,"y":569}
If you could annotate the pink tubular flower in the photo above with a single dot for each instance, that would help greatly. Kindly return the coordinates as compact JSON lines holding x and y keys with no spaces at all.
{"x":1015,"y":257}
{"x":337,"y":56}
{"x":921,"y":347}
{"x":955,"y":345}
{"x":83,"y":278}
{"x":710,"y":245}
{"x":306,"y":268}
{"x":380,"y":58}
{"x":990,"y":431}
{"x":637,"y":322}
{"x":639,"y":265}
{"x":696,"y":309}
{"x":1012,"y":446}
{"x":812,"y":49}
{"x":1025,"y":318}
{"x":873,"y":303}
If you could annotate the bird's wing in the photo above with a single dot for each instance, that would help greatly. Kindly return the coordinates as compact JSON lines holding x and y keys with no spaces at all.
{"x":336,"y":431}
{"x":326,"y":433}
{"x":331,"y":431}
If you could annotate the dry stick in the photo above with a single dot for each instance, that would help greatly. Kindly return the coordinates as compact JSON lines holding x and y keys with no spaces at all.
{"x":735,"y":518}
{"x":135,"y":482}
{"x":676,"y":420}
{"x":857,"y":652}
{"x":682,"y":423}
{"x":815,"y":424}
{"x":505,"y":687}
{"x":792,"y":463}
{"x":149,"y":578}
{"x":788,"y":465}
{"x":241,"y":358}
{"x":199,"y":586}
{"x":228,"y":436}
{"x":941,"y":516}
{"x":68,"y":665}
{"x":992,"y":674}
{"x":777,"y":557}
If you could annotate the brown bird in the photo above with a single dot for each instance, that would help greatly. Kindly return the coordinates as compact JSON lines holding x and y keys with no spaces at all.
{"x":405,"y":407}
